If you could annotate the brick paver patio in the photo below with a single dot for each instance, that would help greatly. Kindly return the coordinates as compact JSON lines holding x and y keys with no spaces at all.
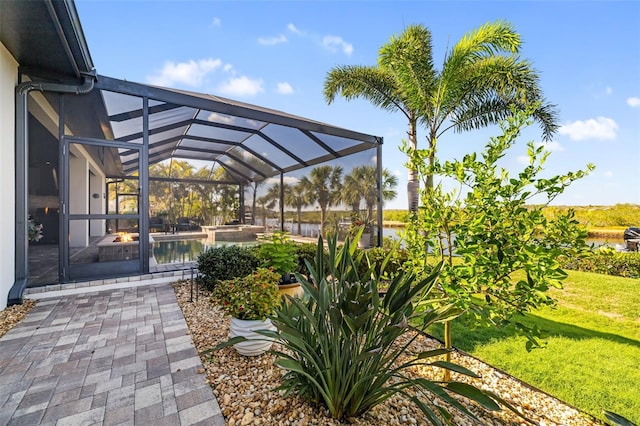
{"x":119,"y":356}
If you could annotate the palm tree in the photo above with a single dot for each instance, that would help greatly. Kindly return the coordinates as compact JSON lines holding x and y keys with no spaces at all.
{"x":297,"y":197}
{"x":381,"y":88}
{"x":323,"y":185}
{"x":272,"y":197}
{"x":389,"y":184}
{"x":351,"y":194}
{"x":363,"y":181}
{"x":481,"y":78}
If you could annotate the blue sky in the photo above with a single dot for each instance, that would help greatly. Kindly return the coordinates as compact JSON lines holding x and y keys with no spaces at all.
{"x":277,"y":54}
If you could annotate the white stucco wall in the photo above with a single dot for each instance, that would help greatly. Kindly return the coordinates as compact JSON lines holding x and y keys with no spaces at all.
{"x":78,"y":200}
{"x":8,"y":81}
{"x":97,"y":205}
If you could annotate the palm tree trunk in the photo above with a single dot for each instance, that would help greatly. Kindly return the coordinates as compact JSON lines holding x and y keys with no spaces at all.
{"x":432,"y":160}
{"x":299,"y":211}
{"x":413,"y":184}
{"x":253,"y":207}
{"x":323,"y":212}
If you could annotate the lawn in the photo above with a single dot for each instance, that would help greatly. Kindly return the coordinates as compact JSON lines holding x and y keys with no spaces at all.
{"x":591,"y":357}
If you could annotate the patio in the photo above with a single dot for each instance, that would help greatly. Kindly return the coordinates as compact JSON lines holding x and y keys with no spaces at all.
{"x":117,"y":356}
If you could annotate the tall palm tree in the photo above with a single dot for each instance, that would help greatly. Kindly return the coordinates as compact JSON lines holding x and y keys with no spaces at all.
{"x":351,"y":194}
{"x":297,"y":197}
{"x":323,"y":186}
{"x":481,"y":78}
{"x":389,"y":184}
{"x":363,"y":181}
{"x":272,"y":197}
{"x":381,"y":88}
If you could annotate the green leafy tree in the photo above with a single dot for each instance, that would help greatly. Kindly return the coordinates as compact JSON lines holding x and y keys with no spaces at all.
{"x":508,"y":250}
{"x":323,"y":186}
{"x":482,"y":75}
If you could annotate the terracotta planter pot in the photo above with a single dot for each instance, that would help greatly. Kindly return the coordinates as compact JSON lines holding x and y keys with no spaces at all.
{"x":293,"y":290}
{"x":257,"y":344}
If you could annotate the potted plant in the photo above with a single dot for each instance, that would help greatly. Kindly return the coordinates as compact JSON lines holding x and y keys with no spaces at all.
{"x":35,"y":230}
{"x":279,"y":253}
{"x":250,"y":301}
{"x":360,"y":229}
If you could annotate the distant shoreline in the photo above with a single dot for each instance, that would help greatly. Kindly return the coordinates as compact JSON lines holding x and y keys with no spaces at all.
{"x":591,"y":232}
{"x":605,"y":232}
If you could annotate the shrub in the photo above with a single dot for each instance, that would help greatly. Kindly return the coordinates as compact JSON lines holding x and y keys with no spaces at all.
{"x":224,"y":263}
{"x":605,"y":261}
{"x":487,"y":220}
{"x":305,"y":252}
{"x":278,"y":252}
{"x":377,"y":256}
{"x":343,"y":346}
{"x":254,"y":297}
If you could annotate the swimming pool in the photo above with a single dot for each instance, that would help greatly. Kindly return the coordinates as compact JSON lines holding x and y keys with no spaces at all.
{"x":184,"y":251}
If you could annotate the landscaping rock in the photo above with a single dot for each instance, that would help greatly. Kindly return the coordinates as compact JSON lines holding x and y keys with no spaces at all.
{"x":245,"y":386}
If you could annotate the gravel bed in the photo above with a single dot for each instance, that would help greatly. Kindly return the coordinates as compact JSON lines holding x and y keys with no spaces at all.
{"x":244,"y":385}
{"x":11,"y":315}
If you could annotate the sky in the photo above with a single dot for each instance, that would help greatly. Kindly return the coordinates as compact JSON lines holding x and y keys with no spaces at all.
{"x":276,"y":54}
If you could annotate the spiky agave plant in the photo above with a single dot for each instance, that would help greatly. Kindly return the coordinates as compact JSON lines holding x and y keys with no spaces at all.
{"x":343,"y":346}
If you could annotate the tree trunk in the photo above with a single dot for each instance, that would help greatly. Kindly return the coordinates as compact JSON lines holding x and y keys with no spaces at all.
{"x":299,"y":211}
{"x":432,"y":160}
{"x":413,"y":184}
{"x":253,"y":207}
{"x":447,"y":344}
{"x":323,"y":212}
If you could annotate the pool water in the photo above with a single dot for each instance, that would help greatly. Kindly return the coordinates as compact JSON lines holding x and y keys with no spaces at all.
{"x":184,"y":251}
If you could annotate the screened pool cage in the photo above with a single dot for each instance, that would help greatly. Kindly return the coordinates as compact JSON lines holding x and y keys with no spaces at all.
{"x":169,"y":165}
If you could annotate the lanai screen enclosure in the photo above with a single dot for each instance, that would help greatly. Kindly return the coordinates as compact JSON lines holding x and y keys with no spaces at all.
{"x":80,"y":147}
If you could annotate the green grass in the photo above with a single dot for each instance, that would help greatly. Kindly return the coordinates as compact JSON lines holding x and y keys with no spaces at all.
{"x":592,"y":354}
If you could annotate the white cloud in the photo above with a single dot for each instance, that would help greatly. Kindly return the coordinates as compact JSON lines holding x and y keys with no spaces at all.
{"x":594,"y":128}
{"x":398,"y":172}
{"x":523,"y":159}
{"x":552,"y":146}
{"x":191,"y":73}
{"x":285,"y":88}
{"x":241,"y":86}
{"x":293,"y":29}
{"x":288,"y":180}
{"x":633,"y":102}
{"x":216,"y":22}
{"x":221,"y":118}
{"x":608,"y":174}
{"x":608,"y":90}
{"x":214,"y":117}
{"x":271,"y":41}
{"x":333,"y":43}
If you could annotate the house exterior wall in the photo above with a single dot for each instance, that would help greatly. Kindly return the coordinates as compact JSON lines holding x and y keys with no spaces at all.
{"x":78,"y":201}
{"x":8,"y":81}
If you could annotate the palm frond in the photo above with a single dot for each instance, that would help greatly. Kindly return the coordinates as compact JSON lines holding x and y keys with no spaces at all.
{"x":409,"y":58}
{"x":370,"y":83}
{"x":501,"y":81}
{"x":491,"y":39}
